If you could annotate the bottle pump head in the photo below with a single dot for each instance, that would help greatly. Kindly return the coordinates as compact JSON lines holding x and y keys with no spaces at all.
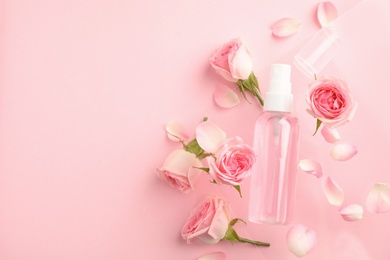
{"x":279,"y":97}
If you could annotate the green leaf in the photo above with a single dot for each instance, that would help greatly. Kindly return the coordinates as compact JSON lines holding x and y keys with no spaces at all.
{"x":202,"y":168}
{"x":238,"y":188}
{"x":319,"y":122}
{"x":205,"y":119}
{"x":193,"y":147}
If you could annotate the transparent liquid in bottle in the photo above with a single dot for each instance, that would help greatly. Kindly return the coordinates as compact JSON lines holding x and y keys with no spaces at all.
{"x":272,"y":191}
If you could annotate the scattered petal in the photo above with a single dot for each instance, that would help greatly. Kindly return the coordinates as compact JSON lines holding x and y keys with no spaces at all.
{"x":351,"y":212}
{"x":214,"y":256}
{"x":300,"y":240}
{"x":311,"y":167}
{"x":378,"y":198}
{"x":331,"y":135}
{"x":225,"y":96}
{"x":326,"y":13}
{"x":285,"y":27}
{"x":333,"y":192}
{"x":176,"y":132}
{"x":209,"y":136}
{"x":343,"y":151}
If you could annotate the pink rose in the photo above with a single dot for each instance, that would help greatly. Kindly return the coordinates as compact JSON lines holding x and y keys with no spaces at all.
{"x":178,"y":170}
{"x":232,"y":61}
{"x":208,"y":222}
{"x":330,"y":101}
{"x":234,"y":162}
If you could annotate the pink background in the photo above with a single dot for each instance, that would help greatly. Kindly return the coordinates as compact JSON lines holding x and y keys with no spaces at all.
{"x":87,"y":87}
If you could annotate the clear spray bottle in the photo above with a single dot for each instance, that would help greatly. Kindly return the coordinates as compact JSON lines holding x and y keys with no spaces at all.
{"x":276,"y":139}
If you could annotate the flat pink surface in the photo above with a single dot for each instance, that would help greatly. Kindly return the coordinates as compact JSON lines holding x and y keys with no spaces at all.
{"x":87,"y":87}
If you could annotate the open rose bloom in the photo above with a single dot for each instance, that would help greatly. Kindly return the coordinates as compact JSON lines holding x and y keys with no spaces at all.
{"x":234,"y":162}
{"x":208,"y":222}
{"x":232,"y":61}
{"x":180,"y":170}
{"x":330,"y":102}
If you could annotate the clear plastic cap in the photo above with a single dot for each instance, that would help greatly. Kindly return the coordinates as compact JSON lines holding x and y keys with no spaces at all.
{"x":279,"y":97}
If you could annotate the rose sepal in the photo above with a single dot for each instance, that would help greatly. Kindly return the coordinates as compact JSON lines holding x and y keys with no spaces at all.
{"x":251,"y":84}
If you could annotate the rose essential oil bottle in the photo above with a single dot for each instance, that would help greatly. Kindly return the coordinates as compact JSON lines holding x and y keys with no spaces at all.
{"x":272,"y":191}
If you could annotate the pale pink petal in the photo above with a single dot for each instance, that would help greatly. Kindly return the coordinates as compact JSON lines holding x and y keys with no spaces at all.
{"x":176,"y":132}
{"x":180,"y":161}
{"x":240,"y":64}
{"x":331,"y":135}
{"x":311,"y":167}
{"x":333,"y":192}
{"x":378,"y":198}
{"x":300,"y":240}
{"x":343,"y":151}
{"x":220,"y":222}
{"x":351,"y":212}
{"x":225,"y":96}
{"x":209,"y":136}
{"x":326,"y":13}
{"x":214,"y":256}
{"x":285,"y":27}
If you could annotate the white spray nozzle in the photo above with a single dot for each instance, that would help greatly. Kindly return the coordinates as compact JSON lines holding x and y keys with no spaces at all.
{"x":280,"y":78}
{"x":278,"y":96}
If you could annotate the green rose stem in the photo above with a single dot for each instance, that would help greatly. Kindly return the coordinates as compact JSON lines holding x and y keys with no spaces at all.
{"x":251,"y":84}
{"x":232,"y":236}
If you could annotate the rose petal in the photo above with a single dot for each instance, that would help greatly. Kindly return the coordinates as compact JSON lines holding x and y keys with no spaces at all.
{"x":220,"y":221}
{"x":176,"y":132}
{"x":326,"y":13}
{"x":179,"y":161}
{"x":330,"y":135}
{"x":311,"y":167}
{"x":209,"y":136}
{"x":180,"y":170}
{"x":285,"y":27}
{"x":225,"y":96}
{"x":214,"y":256}
{"x":343,"y":151}
{"x":333,"y":192}
{"x":351,"y":212}
{"x":378,"y":198}
{"x":240,"y":64}
{"x":300,"y":240}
